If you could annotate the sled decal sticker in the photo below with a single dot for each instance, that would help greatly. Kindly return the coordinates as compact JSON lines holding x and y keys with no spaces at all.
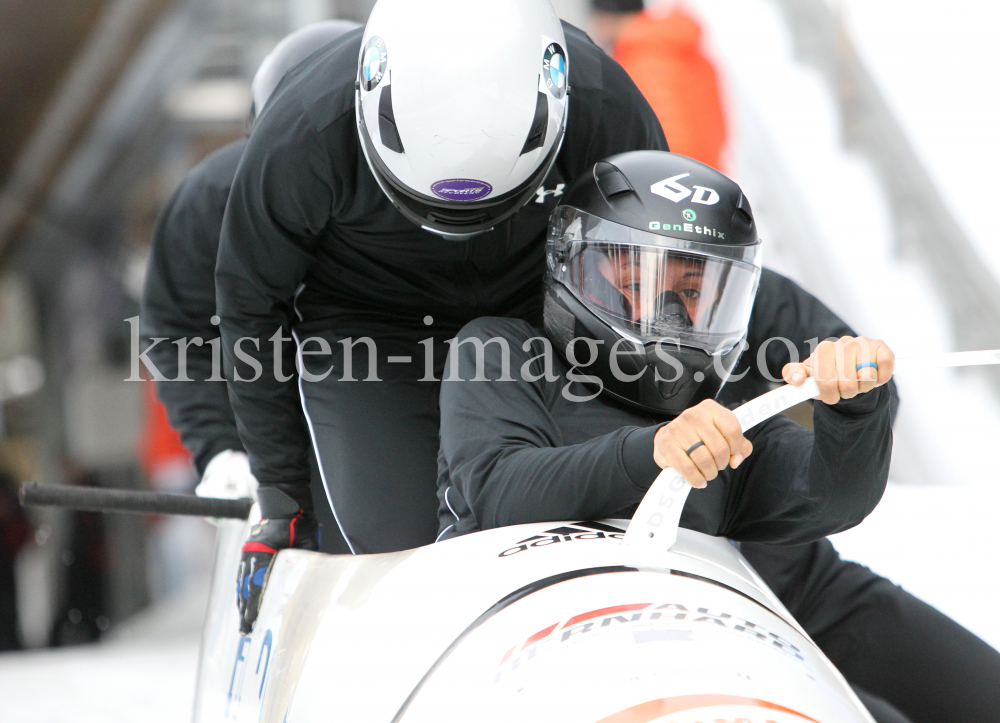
{"x":672,"y":190}
{"x":373,"y":61}
{"x":461,"y":189}
{"x":267,"y":661}
{"x":235,"y":695}
{"x":234,"y":685}
{"x":670,"y":615}
{"x":554,"y":70}
{"x":655,"y":709}
{"x":502,"y":604}
{"x":566,"y":533}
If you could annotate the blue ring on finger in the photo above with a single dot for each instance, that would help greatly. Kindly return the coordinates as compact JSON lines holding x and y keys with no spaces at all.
{"x":862,"y":365}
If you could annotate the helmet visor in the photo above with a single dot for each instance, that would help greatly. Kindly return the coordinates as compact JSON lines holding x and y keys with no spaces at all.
{"x":651,"y":287}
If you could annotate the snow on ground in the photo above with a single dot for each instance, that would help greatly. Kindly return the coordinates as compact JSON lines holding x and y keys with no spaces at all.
{"x":145,"y":672}
{"x":108,"y":683}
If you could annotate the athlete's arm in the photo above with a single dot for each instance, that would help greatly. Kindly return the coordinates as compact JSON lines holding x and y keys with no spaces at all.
{"x":280,"y":201}
{"x":504,"y":453}
{"x":179,"y":303}
{"x":706,"y":438}
{"x":783,"y":310}
{"x":801,"y":485}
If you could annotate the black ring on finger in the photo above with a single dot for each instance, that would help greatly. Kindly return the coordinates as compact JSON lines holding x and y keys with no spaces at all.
{"x":693,"y":447}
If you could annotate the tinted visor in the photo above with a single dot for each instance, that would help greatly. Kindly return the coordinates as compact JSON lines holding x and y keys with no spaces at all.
{"x":650,"y":287}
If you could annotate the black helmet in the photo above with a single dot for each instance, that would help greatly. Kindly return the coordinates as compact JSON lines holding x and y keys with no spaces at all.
{"x":655,"y":256}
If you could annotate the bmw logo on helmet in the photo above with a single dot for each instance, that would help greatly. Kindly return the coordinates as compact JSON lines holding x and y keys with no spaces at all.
{"x":373,"y":61}
{"x":554,"y":69}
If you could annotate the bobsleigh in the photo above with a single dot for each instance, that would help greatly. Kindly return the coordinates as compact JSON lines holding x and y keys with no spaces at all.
{"x":540,"y":622}
{"x":608,"y":621}
{"x":579,"y":622}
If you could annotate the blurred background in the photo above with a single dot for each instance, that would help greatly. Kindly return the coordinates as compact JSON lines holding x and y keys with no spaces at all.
{"x":863,"y":132}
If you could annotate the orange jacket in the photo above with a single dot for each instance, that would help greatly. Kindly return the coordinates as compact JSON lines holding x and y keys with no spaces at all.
{"x":663,"y":56}
{"x":159,"y":443}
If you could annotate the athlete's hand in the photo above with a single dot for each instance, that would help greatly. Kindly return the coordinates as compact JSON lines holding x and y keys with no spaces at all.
{"x":717,"y":428}
{"x":267,"y":538}
{"x":228,"y":475}
{"x":834,"y":365}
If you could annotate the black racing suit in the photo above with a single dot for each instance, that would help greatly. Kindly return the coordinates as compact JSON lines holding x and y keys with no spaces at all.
{"x":179,"y":302}
{"x":862,"y":621}
{"x":906,"y":660}
{"x":540,"y":448}
{"x":897,"y":651}
{"x":308,"y":233}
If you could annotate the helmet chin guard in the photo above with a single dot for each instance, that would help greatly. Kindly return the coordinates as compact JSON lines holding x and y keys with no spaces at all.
{"x":656,"y":258}
{"x":461,"y":107}
{"x":660,"y":377}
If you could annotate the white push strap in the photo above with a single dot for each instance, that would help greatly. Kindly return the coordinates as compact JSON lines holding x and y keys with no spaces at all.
{"x":655,"y":522}
{"x":955,"y":359}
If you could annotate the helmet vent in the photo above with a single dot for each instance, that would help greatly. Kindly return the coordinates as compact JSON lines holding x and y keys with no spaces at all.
{"x":387,"y":122}
{"x":458,"y":217}
{"x":743,"y":212}
{"x":611,"y":181}
{"x":536,"y":136}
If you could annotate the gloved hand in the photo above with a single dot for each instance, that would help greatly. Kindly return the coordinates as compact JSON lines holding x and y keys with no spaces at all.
{"x":228,"y":475}
{"x":267,"y":538}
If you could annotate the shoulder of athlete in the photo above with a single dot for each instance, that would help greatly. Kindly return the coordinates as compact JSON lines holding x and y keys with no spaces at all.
{"x":787,"y":313}
{"x":607,"y":112}
{"x":495,"y":344}
{"x":585,"y":61}
{"x":305,"y":141}
{"x":212,"y":179}
{"x":197,"y":206}
{"x":775,"y":289}
{"x":593,"y":74}
{"x":773,"y":292}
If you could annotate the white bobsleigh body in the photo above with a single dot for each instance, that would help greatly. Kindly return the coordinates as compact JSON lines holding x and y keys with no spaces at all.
{"x":556,"y":622}
{"x":540,"y":622}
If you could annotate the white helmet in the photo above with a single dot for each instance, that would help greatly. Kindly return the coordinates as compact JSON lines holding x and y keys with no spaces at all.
{"x":461,"y":107}
{"x":292,"y":50}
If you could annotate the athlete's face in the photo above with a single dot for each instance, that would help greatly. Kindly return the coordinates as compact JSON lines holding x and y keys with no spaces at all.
{"x":642,"y":277}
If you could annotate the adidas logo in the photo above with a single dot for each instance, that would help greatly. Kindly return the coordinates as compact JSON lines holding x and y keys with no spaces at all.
{"x":566,"y":533}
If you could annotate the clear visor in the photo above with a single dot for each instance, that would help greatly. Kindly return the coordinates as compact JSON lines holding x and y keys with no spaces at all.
{"x":651,"y":287}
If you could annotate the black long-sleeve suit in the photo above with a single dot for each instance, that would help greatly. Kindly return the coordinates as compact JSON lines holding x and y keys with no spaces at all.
{"x":863,"y":622}
{"x":308,"y":235}
{"x":907,"y":661}
{"x":527,"y":451}
{"x":178,"y":302}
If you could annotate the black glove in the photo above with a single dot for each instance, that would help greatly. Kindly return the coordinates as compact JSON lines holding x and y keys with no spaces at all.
{"x":298,"y":531}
